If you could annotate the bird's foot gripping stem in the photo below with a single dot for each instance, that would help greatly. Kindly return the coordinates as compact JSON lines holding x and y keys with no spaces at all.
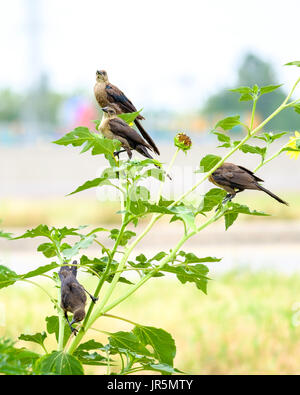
{"x":117,"y":153}
{"x":228,"y":198}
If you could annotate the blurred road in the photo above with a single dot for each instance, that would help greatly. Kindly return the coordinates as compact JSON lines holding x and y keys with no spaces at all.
{"x":49,"y":170}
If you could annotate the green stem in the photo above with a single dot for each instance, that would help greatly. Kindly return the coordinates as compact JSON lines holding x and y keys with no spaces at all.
{"x":167,"y":259}
{"x":252,"y":115}
{"x":85,"y":325}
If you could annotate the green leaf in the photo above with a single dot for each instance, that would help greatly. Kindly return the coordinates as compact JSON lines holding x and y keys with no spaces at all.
{"x":246,"y":97}
{"x":222,"y":137}
{"x":129,"y":117}
{"x":192,"y":273}
{"x":208,"y":162}
{"x":7,"y":277}
{"x":158,"y":174}
{"x":184,"y":214}
{"x":137,"y":193}
{"x":230,"y":219}
{"x":269,"y":88}
{"x":211,"y":199}
{"x":40,"y":270}
{"x":295,"y":63}
{"x":162,"y":343}
{"x":190,"y":257}
{"x":5,"y":235}
{"x":48,"y":249}
{"x":15,"y":361}
{"x":53,"y":327}
{"x":246,"y":148}
{"x":228,"y":123}
{"x":296,"y":107}
{"x":89,"y":345}
{"x":242,"y":90}
{"x":234,"y":209}
{"x":82,"y":136}
{"x":56,"y":234}
{"x":38,"y":338}
{"x":97,"y":182}
{"x":39,"y":231}
{"x":126,"y":236}
{"x":59,"y":363}
{"x":128,"y":341}
{"x":163,"y":368}
{"x":93,"y":359}
{"x":84,"y":243}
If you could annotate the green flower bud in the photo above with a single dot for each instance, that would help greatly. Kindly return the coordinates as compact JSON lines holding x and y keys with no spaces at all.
{"x":183,"y":142}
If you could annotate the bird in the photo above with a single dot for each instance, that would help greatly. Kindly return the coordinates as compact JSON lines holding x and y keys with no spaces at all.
{"x":113,"y":127}
{"x":234,"y":179}
{"x":108,"y":94}
{"x":73,"y":297}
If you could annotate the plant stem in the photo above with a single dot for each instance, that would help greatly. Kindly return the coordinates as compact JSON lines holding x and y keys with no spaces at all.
{"x":167,"y":259}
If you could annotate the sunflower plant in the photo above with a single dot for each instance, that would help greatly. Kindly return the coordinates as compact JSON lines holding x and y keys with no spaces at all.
{"x":129,"y":352}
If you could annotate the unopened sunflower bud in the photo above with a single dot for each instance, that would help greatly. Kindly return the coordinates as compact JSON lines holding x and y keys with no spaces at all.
{"x":183,"y":141}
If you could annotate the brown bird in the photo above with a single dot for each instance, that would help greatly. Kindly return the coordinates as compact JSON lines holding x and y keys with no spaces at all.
{"x":73,"y":297}
{"x":113,"y":127}
{"x":235,"y":179}
{"x":108,"y":94}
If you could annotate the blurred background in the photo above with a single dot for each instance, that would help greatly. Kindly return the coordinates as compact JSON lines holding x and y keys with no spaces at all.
{"x":176,"y":60}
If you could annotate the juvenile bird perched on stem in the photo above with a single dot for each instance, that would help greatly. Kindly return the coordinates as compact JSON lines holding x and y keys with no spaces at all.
{"x":113,"y":127}
{"x":235,"y":179}
{"x":73,"y":297}
{"x":108,"y":94}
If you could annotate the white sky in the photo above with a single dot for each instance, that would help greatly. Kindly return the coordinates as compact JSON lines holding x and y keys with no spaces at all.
{"x":162,"y":53}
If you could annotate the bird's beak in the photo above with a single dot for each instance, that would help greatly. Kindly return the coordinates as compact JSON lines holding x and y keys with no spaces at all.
{"x":105,"y":109}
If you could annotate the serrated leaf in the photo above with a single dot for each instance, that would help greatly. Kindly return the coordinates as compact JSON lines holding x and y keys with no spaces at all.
{"x":40,"y":270}
{"x":59,"y":363}
{"x":38,"y":338}
{"x":246,"y":148}
{"x":228,"y":123}
{"x":97,"y":182}
{"x":162,"y":343}
{"x":126,"y":236}
{"x":84,"y":243}
{"x":192,"y":273}
{"x":82,"y":136}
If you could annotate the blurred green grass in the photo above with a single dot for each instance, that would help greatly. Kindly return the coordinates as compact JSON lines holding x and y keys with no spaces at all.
{"x":71,"y":212}
{"x":244,"y":325}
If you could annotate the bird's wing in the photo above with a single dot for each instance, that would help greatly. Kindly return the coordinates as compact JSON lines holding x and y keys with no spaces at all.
{"x":234,"y":177}
{"x":252,"y":174}
{"x":120,"y":128}
{"x":78,"y":293}
{"x":115,"y":95}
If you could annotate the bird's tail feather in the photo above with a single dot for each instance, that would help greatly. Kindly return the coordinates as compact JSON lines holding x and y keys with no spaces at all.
{"x":146,"y":136}
{"x":271,"y":194}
